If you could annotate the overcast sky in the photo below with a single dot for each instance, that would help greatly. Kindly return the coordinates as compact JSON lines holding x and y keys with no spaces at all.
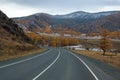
{"x":18,"y":8}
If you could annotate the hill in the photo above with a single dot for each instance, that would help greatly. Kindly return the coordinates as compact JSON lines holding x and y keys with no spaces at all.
{"x":80,"y":21}
{"x":12,"y":37}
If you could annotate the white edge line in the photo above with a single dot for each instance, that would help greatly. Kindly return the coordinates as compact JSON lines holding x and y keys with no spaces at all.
{"x":47,"y":67}
{"x":23,"y":60}
{"x":85,"y":65}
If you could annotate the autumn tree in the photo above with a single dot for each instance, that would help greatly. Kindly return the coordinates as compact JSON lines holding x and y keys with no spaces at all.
{"x":73,"y":41}
{"x":45,"y":40}
{"x":37,"y":39}
{"x":76,"y":41}
{"x":105,"y":42}
{"x":31,"y":36}
{"x":55,"y":42}
{"x":65,"y":41}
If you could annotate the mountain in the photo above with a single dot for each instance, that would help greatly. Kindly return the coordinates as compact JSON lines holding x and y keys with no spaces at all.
{"x":10,"y":26}
{"x":12,"y":37}
{"x":82,"y":14}
{"x":80,"y":21}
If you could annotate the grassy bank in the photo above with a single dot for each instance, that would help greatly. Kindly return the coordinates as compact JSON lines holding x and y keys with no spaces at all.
{"x":20,"y":54}
{"x":109,"y":58}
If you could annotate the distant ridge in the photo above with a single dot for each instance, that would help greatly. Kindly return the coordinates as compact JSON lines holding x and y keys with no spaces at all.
{"x":80,"y":21}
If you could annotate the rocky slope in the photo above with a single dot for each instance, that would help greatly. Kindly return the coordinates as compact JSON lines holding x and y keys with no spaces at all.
{"x":12,"y":37}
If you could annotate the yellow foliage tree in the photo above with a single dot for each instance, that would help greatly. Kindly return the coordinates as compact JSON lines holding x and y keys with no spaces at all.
{"x":105,"y":42}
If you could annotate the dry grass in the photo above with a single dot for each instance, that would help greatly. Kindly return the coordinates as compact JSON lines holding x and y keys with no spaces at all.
{"x":21,"y":54}
{"x":109,"y":58}
{"x":13,"y":42}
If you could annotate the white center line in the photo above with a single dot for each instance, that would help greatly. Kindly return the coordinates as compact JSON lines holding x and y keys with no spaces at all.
{"x":47,"y":67}
{"x":23,"y":60}
{"x":85,"y":66}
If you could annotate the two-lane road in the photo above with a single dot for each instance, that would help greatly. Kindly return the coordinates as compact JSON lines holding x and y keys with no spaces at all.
{"x":55,"y":64}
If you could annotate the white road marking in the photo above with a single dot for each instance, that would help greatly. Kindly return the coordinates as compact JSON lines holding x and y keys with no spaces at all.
{"x":85,"y":65}
{"x":23,"y":60}
{"x":47,"y":67}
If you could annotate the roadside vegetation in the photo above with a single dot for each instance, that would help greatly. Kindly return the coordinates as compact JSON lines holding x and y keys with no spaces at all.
{"x":107,"y":49}
{"x":21,"y":54}
{"x":109,"y":58}
{"x":12,"y":46}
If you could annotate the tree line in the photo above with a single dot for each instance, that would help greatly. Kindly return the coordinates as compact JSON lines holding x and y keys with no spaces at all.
{"x":105,"y":43}
{"x":54,"y":41}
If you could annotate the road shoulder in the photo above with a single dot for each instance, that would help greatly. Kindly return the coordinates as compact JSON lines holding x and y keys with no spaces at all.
{"x":107,"y":71}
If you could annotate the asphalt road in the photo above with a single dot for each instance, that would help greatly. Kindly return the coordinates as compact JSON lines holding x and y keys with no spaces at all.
{"x":55,"y":64}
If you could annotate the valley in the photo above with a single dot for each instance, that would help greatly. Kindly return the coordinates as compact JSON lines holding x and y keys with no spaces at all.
{"x":59,"y":40}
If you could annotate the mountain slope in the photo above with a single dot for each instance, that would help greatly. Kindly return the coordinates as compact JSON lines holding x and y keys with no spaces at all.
{"x":12,"y":37}
{"x":78,"y":21}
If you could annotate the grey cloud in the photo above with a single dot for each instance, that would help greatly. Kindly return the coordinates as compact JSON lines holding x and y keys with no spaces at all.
{"x":111,"y":2}
{"x":65,"y":4}
{"x":57,"y":3}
